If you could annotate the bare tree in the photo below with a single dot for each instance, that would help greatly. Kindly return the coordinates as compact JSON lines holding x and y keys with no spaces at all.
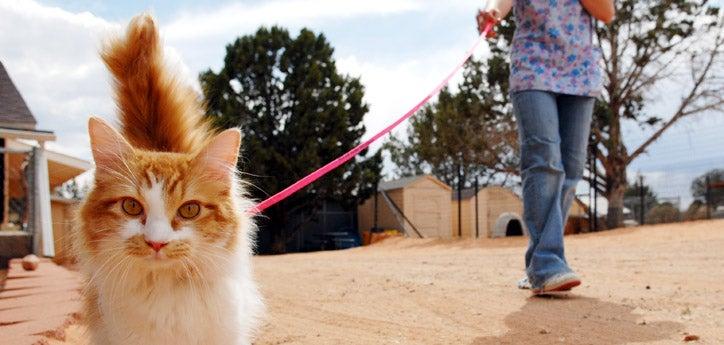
{"x":650,"y":43}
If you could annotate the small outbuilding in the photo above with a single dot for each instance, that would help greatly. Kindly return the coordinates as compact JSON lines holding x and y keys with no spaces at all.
{"x":419,"y":206}
{"x":499,"y":213}
{"x":578,"y":218}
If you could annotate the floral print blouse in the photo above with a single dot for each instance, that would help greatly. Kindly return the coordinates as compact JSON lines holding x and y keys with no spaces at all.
{"x":552,"y":48}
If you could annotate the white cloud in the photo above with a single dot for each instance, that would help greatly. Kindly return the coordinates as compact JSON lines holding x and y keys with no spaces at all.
{"x":51,"y":55}
{"x":237,"y":17}
{"x":391,"y":90}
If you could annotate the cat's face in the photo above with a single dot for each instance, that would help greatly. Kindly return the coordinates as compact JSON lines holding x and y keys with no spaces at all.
{"x":161,"y":209}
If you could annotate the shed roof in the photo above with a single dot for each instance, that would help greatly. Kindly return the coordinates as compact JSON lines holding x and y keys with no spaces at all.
{"x":406,"y":181}
{"x":14,"y":112}
{"x":468,"y":193}
{"x":397,"y":184}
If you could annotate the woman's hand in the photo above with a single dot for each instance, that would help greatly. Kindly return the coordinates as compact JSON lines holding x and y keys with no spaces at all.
{"x":494,"y":11}
{"x":602,"y":10}
{"x":485,"y":17}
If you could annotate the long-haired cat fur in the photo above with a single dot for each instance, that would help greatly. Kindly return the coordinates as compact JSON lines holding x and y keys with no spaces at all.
{"x":162,"y":236}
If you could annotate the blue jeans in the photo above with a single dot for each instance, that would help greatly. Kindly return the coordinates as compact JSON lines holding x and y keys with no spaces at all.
{"x":553,"y":132}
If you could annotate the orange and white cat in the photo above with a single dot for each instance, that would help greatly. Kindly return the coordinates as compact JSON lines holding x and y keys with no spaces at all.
{"x":163,"y":236}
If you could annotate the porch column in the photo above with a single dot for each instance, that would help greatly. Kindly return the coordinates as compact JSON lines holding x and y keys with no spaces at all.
{"x":5,"y":160}
{"x":43,"y":230}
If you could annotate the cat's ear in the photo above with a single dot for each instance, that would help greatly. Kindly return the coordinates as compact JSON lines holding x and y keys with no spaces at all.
{"x":218,"y":158}
{"x":108,"y":146}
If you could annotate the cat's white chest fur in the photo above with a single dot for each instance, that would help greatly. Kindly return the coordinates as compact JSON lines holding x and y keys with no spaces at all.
{"x":220,"y":312}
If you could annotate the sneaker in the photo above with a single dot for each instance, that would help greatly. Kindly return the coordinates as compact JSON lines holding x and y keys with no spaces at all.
{"x":559,"y":283}
{"x":524,"y":284}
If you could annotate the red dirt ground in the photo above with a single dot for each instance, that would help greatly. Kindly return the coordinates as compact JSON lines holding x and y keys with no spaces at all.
{"x":37,"y":305}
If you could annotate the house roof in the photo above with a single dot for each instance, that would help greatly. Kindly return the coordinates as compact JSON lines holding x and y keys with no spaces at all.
{"x":14,"y":112}
{"x":406,"y":181}
{"x":61,"y":167}
{"x":26,"y":134}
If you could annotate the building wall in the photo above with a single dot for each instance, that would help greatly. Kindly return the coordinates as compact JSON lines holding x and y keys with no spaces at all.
{"x":425,"y":202}
{"x":386,"y":218}
{"x":427,"y":205}
{"x":468,"y":218}
{"x":493,"y":202}
{"x":499,"y":201}
{"x":365,"y":215}
{"x":62,"y":212}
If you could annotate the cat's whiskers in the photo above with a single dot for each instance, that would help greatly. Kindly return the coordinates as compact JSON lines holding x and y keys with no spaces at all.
{"x":130,"y":178}
{"x":117,"y":286}
{"x":105,"y":262}
{"x":119,"y":157}
{"x":191,"y":281}
{"x":201,"y":279}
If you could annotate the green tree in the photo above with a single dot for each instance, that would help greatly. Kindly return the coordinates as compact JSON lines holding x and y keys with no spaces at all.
{"x":651,"y":44}
{"x":715,"y":178}
{"x":297,"y":112}
{"x":462,"y":135}
{"x":72,"y":190}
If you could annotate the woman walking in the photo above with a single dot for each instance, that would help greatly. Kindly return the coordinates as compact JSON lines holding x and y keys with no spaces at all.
{"x":554,"y":79}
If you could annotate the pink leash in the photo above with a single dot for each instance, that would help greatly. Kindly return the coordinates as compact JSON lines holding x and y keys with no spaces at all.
{"x":260,"y":207}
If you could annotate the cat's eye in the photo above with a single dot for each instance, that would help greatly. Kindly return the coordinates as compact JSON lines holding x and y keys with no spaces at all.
{"x":131,"y":206}
{"x":189,"y":210}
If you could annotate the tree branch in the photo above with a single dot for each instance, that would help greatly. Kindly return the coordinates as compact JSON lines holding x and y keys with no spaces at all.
{"x":688,"y":100}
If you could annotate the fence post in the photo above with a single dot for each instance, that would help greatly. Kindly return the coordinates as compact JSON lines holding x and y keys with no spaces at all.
{"x":591,"y":172}
{"x":477,"y":226}
{"x":374,"y":226}
{"x":593,"y":200}
{"x":642,"y":198}
{"x":460,"y":201}
{"x":707,"y":197}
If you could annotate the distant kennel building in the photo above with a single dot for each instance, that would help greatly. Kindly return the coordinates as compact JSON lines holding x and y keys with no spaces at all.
{"x":499,"y":213}
{"x":418,"y":205}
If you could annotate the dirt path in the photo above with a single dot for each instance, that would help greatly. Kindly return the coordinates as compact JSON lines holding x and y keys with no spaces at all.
{"x":652,"y":285}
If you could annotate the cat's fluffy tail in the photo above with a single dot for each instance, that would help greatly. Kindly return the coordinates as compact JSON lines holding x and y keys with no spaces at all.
{"x":156,"y":111}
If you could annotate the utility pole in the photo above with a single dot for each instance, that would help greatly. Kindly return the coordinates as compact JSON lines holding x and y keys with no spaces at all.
{"x":642,"y":198}
{"x":377,"y":187}
{"x":708,"y":197}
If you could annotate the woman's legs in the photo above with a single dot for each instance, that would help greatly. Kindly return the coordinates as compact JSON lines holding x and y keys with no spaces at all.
{"x":574,"y":118}
{"x":542,"y":173}
{"x":552,"y":138}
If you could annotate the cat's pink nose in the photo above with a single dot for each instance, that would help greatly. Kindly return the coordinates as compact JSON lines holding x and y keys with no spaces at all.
{"x":156,"y":245}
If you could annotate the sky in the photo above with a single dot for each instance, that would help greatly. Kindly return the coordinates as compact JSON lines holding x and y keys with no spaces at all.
{"x":399,"y":48}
